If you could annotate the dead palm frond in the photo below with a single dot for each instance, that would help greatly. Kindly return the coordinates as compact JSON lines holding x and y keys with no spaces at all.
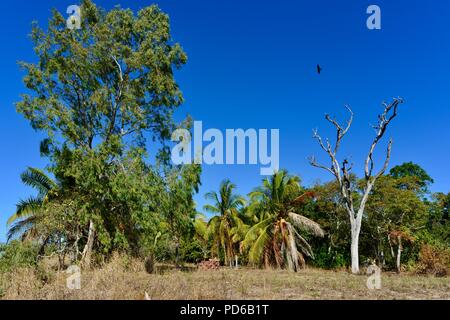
{"x":306,"y":224}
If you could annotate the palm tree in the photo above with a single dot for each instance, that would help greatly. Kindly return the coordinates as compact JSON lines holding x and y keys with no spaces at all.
{"x":23,"y":223}
{"x":275,"y":238}
{"x":225,"y":225}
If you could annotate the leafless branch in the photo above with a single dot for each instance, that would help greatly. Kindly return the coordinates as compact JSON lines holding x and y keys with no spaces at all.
{"x":386,"y":162}
{"x":389,"y":113}
{"x":340,"y":130}
{"x":314,"y":163}
{"x":319,"y":139}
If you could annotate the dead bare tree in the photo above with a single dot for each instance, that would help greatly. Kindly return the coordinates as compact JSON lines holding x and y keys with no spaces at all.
{"x":355,"y":205}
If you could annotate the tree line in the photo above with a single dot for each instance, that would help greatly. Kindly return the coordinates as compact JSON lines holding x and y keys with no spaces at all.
{"x":105,"y":96}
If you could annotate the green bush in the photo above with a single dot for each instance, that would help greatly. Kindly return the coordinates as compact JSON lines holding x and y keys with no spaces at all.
{"x":330,"y":260}
{"x":18,"y":255}
{"x":192,"y":251}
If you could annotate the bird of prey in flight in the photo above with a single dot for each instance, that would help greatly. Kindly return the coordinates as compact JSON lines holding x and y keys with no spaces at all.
{"x":319,"y":69}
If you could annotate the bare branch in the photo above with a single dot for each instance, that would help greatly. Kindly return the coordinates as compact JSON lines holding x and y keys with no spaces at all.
{"x":340,"y":130}
{"x":334,"y":170}
{"x":389,"y":113}
{"x":346,"y":186}
{"x":319,"y":139}
{"x":314,"y":163}
{"x":386,"y":162}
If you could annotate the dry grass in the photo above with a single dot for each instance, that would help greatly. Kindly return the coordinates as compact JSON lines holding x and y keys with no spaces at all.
{"x":124,"y":279}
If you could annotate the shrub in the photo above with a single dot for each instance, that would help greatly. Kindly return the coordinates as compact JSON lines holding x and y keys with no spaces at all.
{"x":329,"y":260}
{"x":433,"y":260}
{"x":18,"y":255}
{"x":192,"y":251}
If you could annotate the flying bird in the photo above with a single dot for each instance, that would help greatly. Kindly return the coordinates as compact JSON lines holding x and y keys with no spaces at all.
{"x":319,"y":69}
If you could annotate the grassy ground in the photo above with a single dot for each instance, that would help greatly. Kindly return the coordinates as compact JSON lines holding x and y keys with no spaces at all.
{"x":119,"y":280}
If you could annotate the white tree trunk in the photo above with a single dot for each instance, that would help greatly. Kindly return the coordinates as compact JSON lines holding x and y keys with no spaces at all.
{"x":399,"y":254}
{"x":355,"y":223}
{"x":87,"y":252}
{"x":342,"y":173}
{"x":354,"y":250}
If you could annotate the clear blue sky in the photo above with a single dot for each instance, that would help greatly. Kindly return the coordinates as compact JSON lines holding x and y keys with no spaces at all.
{"x":252,"y":65}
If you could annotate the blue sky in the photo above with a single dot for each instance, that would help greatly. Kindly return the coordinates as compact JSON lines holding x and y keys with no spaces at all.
{"x":252,"y":65}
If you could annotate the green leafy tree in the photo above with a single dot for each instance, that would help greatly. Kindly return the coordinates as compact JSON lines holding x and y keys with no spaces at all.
{"x":395,"y":212}
{"x":275,"y":239}
{"x":410,"y":169}
{"x":438,"y":226}
{"x":331,"y":251}
{"x":226,"y":206}
{"x":99,"y":93}
{"x":179,"y":208}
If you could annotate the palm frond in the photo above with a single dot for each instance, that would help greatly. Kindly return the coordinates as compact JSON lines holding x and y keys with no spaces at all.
{"x":303,"y":245}
{"x":25,"y":208}
{"x":257,"y":249}
{"x":254,"y":232}
{"x":212,"y":196}
{"x":292,"y":252}
{"x":237,"y":201}
{"x":201,"y":227}
{"x":239,"y":231}
{"x":21,"y":228}
{"x":306,"y":224}
{"x":38,"y":180}
{"x":211,"y":209}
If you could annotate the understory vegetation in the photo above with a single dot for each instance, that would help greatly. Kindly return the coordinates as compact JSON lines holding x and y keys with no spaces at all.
{"x":124,"y":278}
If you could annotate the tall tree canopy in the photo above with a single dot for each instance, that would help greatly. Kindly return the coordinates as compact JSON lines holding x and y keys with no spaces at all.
{"x":394,"y":212}
{"x":106,"y":83}
{"x":410,"y":169}
{"x":100,"y":93}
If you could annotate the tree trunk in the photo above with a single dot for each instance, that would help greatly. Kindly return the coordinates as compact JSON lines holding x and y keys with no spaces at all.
{"x":177,"y":253}
{"x":225,"y":255}
{"x":87,"y":252}
{"x":342,"y":173}
{"x":355,"y":252}
{"x":399,"y":253}
{"x":354,"y":248}
{"x":390,"y":246}
{"x":76,"y":250}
